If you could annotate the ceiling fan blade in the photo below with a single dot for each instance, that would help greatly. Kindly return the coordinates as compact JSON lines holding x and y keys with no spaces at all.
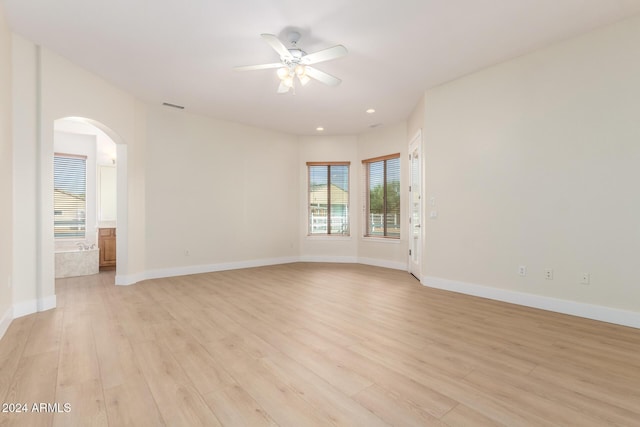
{"x":324,"y":55}
{"x":258,"y":67}
{"x":283,"y":88}
{"x":322,"y":77}
{"x":277,"y":45}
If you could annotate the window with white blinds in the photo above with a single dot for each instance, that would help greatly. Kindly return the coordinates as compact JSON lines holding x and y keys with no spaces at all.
{"x":69,"y":196}
{"x":382,"y":180}
{"x":328,"y":198}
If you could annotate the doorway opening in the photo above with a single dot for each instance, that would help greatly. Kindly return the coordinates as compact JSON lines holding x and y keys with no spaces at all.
{"x":85,"y":219}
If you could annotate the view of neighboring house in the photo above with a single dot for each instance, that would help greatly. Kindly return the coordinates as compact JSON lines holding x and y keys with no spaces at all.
{"x":69,"y":214}
{"x":319,"y":199}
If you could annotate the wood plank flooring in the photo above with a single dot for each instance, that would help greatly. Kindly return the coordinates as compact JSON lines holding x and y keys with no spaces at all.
{"x":311,"y":345}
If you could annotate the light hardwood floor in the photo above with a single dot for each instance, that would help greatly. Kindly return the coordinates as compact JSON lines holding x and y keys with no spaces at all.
{"x":311,"y":345}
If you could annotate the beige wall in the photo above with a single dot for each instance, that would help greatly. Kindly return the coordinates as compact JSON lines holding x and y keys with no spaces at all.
{"x":25,"y":154}
{"x":222,"y":192}
{"x":535,"y":162}
{"x":415,"y":122}
{"x":6,"y":177}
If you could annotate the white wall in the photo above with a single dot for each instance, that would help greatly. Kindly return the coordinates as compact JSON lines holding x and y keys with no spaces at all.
{"x":219,"y":194}
{"x":107,"y":196}
{"x":6,"y":177}
{"x":535,"y":162}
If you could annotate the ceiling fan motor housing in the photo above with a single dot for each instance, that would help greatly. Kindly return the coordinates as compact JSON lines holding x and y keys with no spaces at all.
{"x":296,"y":57}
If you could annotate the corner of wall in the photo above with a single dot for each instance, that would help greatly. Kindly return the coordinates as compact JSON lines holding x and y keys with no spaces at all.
{"x":5,"y":321}
{"x":6,"y":174}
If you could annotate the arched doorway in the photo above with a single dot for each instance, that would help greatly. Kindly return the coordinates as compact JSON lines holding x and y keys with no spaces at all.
{"x":104,"y":154}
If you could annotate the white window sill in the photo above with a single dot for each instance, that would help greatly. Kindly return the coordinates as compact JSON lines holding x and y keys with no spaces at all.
{"x":327,"y":237}
{"x":381,"y":240}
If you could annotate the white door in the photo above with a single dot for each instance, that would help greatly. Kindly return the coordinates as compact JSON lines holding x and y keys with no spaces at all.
{"x":415,"y":209}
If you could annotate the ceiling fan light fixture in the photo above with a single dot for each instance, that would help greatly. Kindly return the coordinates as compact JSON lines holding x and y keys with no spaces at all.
{"x":282,"y":88}
{"x":283,"y":73}
{"x":288,"y":81}
{"x":304,"y":79}
{"x":300,"y":70}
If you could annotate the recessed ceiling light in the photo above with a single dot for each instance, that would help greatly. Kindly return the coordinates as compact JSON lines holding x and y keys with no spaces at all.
{"x":319,"y":128}
{"x":371,"y":111}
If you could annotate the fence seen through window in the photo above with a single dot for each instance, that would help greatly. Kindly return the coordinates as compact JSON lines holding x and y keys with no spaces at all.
{"x":328,"y":198}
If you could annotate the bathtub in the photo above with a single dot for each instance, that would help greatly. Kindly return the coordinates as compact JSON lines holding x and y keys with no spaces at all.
{"x":76,"y":262}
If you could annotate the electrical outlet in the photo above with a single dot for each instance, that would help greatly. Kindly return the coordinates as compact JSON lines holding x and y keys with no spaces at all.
{"x":585,"y":279}
{"x":522,"y":270}
{"x":548,"y":274}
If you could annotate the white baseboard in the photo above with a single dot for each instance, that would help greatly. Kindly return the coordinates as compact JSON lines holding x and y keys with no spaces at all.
{"x":589,"y":311}
{"x":384,"y":263}
{"x":322,"y":258}
{"x":210,"y":268}
{"x":47,"y":303}
{"x":129,"y":279}
{"x":5,"y":321}
{"x":25,"y":308}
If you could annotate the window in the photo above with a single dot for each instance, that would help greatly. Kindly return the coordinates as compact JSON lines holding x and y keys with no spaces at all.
{"x":69,"y":196}
{"x":328,"y":198}
{"x":382,"y":176}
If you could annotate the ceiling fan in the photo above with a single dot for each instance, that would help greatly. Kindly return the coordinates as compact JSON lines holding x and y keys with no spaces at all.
{"x":294,"y":62}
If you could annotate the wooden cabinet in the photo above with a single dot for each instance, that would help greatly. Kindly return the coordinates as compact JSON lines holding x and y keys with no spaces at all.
{"x":107,"y":245}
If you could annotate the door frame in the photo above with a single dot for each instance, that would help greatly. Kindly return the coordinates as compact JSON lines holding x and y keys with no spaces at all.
{"x":414,"y":253}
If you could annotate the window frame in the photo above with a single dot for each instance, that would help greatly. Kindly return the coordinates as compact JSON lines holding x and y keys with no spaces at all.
{"x":328,"y":232}
{"x":367,"y":200}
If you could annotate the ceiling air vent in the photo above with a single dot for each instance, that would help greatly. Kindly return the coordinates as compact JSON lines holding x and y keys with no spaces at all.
{"x":168,"y":104}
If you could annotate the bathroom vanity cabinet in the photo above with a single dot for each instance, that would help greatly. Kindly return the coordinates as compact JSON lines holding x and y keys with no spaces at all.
{"x":107,"y":245}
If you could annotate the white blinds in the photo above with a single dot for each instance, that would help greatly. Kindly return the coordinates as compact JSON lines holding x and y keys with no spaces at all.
{"x":383,"y":196}
{"x":69,"y":196}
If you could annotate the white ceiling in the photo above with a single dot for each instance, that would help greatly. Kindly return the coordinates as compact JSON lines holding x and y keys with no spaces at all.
{"x":183,"y":52}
